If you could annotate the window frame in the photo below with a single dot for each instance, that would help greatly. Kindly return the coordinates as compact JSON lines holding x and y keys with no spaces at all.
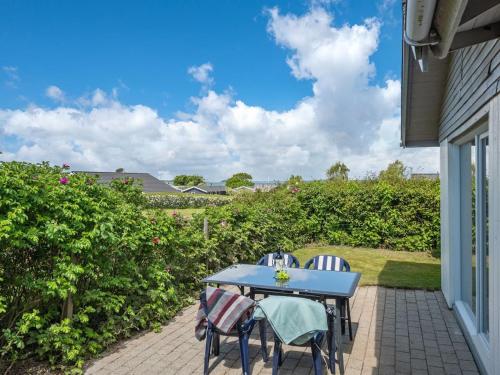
{"x":478,"y":134}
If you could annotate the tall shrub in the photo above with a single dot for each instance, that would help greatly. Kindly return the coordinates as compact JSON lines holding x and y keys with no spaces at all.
{"x":80,"y":265}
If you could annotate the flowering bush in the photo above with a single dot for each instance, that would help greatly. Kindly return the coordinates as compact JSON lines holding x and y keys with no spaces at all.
{"x":185,"y":200}
{"x":80,"y":264}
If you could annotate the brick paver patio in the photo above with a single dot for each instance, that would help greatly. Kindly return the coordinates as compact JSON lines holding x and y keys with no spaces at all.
{"x":396,"y":332}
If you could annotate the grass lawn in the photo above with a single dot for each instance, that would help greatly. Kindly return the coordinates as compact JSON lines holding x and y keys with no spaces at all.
{"x":401,"y":269}
{"x":186,"y":212}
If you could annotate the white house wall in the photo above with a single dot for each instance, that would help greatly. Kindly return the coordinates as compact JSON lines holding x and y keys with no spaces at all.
{"x":451,"y":214}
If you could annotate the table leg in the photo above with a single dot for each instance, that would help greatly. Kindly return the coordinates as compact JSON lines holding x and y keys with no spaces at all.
{"x":338,"y":328}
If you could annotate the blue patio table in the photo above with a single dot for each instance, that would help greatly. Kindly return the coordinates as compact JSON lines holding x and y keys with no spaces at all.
{"x":315,"y":284}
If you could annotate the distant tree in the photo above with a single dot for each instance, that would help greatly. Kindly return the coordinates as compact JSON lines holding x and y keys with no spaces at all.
{"x":188,"y":180}
{"x":338,"y":172}
{"x":119,"y":170}
{"x":295,"y":180}
{"x":239,"y":179}
{"x":394,"y":172}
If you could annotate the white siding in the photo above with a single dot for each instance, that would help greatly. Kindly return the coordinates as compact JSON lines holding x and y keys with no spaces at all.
{"x":473,"y":79}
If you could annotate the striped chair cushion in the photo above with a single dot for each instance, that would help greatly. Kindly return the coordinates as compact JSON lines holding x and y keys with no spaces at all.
{"x":329,"y":263}
{"x":268,"y":260}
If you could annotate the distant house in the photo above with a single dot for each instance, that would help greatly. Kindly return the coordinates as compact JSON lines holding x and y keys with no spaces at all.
{"x":265,"y":185}
{"x":244,"y":188}
{"x":150,"y":184}
{"x":205,"y":189}
{"x":425,"y":176}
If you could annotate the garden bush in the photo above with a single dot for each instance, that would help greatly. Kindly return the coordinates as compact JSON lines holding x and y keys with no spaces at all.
{"x":402,"y":215}
{"x":252,"y":225}
{"x":185,"y":200}
{"x":80,"y":265}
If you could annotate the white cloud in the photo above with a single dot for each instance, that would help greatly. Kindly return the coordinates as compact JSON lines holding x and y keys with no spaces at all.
{"x":202,"y":73}
{"x":348,"y":118}
{"x":12,"y":74}
{"x":55,"y":93}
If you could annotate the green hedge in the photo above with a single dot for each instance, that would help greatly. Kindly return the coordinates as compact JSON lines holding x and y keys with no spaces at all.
{"x":64,"y":239}
{"x":402,"y":216}
{"x":185,"y":200}
{"x":398,"y":216}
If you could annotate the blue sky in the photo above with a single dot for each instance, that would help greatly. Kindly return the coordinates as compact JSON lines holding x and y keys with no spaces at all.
{"x":139,"y":53}
{"x":145,"y":48}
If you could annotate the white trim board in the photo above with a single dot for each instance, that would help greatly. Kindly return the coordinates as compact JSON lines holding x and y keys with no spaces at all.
{"x":494,"y":133}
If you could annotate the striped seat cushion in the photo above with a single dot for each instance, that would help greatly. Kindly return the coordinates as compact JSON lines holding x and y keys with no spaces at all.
{"x":330,"y":263}
{"x":270,"y":258}
{"x":223,"y":309}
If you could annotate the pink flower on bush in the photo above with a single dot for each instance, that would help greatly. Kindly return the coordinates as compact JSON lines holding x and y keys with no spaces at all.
{"x":64,"y":180}
{"x":223,"y":223}
{"x":155,"y":240}
{"x":295,"y":190}
{"x":174,"y":214}
{"x":65,"y":166}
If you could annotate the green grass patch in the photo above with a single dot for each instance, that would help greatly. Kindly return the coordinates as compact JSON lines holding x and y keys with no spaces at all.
{"x":186,"y":212}
{"x":400,"y":269}
{"x":181,"y":194}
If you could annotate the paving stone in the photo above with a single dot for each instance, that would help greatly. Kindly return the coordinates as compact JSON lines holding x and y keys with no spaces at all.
{"x":396,"y":332}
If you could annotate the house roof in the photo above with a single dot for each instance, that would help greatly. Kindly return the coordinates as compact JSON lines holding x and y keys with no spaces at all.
{"x":206,"y":189}
{"x":459,"y":23}
{"x":150,"y":184}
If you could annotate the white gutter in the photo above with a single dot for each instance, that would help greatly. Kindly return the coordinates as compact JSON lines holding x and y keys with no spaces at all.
{"x":419,"y":15}
{"x":430,"y":26}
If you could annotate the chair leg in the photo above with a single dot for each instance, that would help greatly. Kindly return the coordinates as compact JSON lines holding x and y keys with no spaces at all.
{"x":342,"y":315}
{"x":245,"y":360}
{"x":316,"y":355}
{"x":216,"y":344}
{"x":208,"y":344}
{"x":263,"y":339}
{"x":349,"y":318}
{"x":277,"y":356}
{"x":331,"y":343}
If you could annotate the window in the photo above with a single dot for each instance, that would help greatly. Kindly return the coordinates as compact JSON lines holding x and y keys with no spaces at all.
{"x":474,"y":217}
